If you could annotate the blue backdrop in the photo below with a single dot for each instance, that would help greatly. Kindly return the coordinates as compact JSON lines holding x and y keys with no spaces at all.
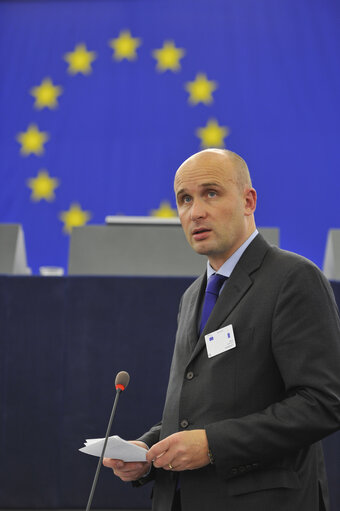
{"x":100,"y":101}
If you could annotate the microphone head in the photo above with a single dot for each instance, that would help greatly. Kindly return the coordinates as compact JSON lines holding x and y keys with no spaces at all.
{"x":122,"y":380}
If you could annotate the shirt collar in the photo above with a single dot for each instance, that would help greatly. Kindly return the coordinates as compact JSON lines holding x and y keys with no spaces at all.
{"x":228,"y":266}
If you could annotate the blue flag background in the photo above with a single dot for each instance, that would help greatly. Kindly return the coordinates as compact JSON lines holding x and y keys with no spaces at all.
{"x":95,"y":121}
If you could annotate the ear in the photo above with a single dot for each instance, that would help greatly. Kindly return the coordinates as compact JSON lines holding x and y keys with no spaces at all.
{"x":250,"y":198}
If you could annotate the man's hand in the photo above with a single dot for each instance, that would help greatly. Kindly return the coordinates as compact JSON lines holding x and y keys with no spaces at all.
{"x":185,"y":450}
{"x":131,"y":470}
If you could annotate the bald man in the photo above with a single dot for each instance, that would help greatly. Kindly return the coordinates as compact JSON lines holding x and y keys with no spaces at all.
{"x":254,"y":382}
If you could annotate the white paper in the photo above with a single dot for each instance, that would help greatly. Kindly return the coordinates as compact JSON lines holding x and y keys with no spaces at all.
{"x":116,"y":448}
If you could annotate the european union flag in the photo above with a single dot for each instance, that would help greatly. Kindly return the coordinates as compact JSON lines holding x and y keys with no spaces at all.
{"x":100,"y":102}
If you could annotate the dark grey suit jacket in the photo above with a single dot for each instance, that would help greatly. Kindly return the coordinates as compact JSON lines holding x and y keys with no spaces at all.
{"x":264,"y":404}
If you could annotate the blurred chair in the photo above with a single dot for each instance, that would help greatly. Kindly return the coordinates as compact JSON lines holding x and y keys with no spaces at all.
{"x":12,"y":250}
{"x":331,"y":264}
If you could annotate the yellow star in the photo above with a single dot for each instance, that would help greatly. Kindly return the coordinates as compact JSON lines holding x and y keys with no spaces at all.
{"x":42,"y":186}
{"x":80,"y":60}
{"x":125,"y":46}
{"x":32,"y":140}
{"x":201,"y":89}
{"x":168,"y":57}
{"x":46,"y":94}
{"x":212,"y":134}
{"x":74,"y":217}
{"x":164,"y":211}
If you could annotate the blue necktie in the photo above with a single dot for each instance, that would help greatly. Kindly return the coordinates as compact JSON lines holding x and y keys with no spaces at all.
{"x":212,"y":291}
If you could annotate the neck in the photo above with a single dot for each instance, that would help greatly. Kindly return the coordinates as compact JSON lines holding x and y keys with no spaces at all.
{"x":218,"y":260}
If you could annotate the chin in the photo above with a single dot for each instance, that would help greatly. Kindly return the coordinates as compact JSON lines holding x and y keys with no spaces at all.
{"x":200,"y":248}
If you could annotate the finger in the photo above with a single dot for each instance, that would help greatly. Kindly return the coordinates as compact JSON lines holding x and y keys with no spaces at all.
{"x":164,"y":461}
{"x":113,"y":463}
{"x":132,"y":475}
{"x":168,"y":467}
{"x":175,"y":466}
{"x":128,"y":479}
{"x":140,"y":444}
{"x":158,"y":450}
{"x":131,"y":467}
{"x":120,"y":467}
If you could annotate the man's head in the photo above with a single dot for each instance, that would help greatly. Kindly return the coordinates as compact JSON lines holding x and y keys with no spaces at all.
{"x":216,"y":203}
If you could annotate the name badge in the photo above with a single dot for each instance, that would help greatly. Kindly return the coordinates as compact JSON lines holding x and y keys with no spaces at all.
{"x":219,"y":341}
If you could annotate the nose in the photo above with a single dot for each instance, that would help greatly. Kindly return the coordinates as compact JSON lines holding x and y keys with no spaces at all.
{"x":197,"y":210}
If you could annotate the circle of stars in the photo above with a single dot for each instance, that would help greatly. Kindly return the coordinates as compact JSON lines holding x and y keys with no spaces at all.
{"x":80,"y":61}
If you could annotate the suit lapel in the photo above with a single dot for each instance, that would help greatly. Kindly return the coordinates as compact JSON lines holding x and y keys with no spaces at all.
{"x":192,"y":309}
{"x":235,"y":288}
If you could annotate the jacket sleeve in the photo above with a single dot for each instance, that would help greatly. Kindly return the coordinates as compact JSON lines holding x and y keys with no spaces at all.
{"x":151,"y":437}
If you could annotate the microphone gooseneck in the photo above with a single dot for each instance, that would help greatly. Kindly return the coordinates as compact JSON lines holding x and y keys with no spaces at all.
{"x":121,"y":382}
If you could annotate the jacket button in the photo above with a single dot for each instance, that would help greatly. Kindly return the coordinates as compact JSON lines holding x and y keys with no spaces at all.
{"x":242,"y":468}
{"x":234,"y":471}
{"x":184,"y":423}
{"x":189,"y":375}
{"x":255,"y":465}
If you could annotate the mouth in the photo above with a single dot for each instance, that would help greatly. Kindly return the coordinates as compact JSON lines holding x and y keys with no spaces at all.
{"x":200,"y":233}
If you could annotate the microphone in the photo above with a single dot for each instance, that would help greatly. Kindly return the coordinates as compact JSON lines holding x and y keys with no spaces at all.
{"x":121,"y":382}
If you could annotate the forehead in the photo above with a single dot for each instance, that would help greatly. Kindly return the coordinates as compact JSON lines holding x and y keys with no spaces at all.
{"x":201,"y":169}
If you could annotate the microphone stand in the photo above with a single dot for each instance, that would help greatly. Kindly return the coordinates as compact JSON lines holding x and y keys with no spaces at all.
{"x":94,"y":484}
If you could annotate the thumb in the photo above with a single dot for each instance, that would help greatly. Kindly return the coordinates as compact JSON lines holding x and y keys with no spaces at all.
{"x":157,"y":450}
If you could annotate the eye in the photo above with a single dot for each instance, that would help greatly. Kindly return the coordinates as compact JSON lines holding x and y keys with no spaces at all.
{"x":211,"y":194}
{"x":186,"y":199}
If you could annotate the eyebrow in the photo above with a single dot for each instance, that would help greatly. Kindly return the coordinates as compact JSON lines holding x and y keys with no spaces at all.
{"x":203,"y":185}
{"x":206,"y":185}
